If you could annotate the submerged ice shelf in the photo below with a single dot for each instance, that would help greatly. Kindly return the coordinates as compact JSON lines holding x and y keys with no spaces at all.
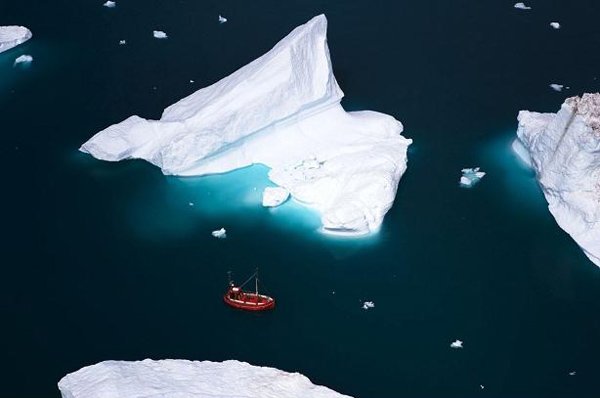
{"x":564,"y":150}
{"x":12,"y":36}
{"x":281,"y":110}
{"x":181,"y":378}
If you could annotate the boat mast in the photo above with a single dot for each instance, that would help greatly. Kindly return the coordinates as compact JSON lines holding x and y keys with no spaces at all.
{"x":256,"y":280}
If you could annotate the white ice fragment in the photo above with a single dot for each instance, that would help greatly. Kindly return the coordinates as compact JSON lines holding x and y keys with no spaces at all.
{"x":191,"y":81}
{"x":555,"y":25}
{"x":368,"y":304}
{"x":12,"y":36}
{"x":222,"y":19}
{"x":279,"y":110}
{"x":556,"y":87}
{"x":190,"y":203}
{"x":456,"y":344}
{"x":573,"y":373}
{"x":522,"y":6}
{"x":159,"y":34}
{"x":23,"y":59}
{"x":274,"y":196}
{"x":110,"y":4}
{"x":470,"y":177}
{"x":481,"y":386}
{"x":122,"y":42}
{"x":564,"y":148}
{"x":219,"y":233}
{"x":181,"y":378}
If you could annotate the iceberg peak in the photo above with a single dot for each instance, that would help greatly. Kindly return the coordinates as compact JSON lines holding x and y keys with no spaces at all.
{"x":12,"y":36}
{"x":281,"y":110}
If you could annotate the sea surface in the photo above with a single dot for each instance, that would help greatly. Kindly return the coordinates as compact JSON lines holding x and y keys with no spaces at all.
{"x":107,"y":260}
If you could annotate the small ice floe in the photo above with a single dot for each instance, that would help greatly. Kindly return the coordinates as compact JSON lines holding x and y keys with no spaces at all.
{"x":522,"y":6}
{"x":23,"y":59}
{"x":573,"y":373}
{"x":219,"y":233}
{"x":12,"y":36}
{"x":368,"y":304}
{"x":110,"y":4}
{"x":556,"y":87}
{"x":481,"y":386}
{"x":555,"y":25}
{"x":456,"y":344}
{"x":159,"y":34}
{"x":190,"y":204}
{"x":191,"y":81}
{"x":471,"y":177}
{"x":122,"y":42}
{"x":222,"y":19}
{"x":274,"y":196}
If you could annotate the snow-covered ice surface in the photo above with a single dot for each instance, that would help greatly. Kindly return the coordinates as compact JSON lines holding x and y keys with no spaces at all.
{"x":564,"y":150}
{"x":557,"y":87}
{"x":159,"y":34}
{"x":522,"y":6}
{"x":176,"y":378}
{"x":222,"y":19}
{"x":274,"y":196}
{"x":281,"y":110}
{"x":470,"y":177}
{"x":219,"y":233}
{"x":555,"y":25}
{"x":23,"y":59}
{"x":12,"y":36}
{"x":110,"y":4}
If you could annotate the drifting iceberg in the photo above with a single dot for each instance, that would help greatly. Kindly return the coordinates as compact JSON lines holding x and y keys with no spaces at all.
{"x":557,"y":87}
{"x":219,"y":233}
{"x":456,"y":344}
{"x":564,"y":151}
{"x":555,"y":25}
{"x":181,"y":378}
{"x":368,"y":304}
{"x":281,"y":110}
{"x":471,"y":177}
{"x":522,"y":6}
{"x":159,"y":34}
{"x":23,"y":59}
{"x":222,"y":19}
{"x":110,"y":4}
{"x":12,"y":36}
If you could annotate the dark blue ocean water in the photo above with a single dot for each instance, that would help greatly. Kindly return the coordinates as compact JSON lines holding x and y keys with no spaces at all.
{"x":109,"y":261}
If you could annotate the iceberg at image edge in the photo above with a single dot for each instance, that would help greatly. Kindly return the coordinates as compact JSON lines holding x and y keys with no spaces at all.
{"x":282,"y":110}
{"x":12,"y":36}
{"x":182,"y":378}
{"x":564,"y":150}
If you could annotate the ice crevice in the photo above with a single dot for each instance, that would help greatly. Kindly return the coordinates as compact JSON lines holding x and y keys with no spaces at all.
{"x":281,"y":110}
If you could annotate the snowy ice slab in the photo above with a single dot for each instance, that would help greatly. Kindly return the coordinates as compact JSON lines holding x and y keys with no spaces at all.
{"x":176,"y":378}
{"x":274,"y":196}
{"x":281,"y":110}
{"x":219,"y":233}
{"x":564,"y":150}
{"x":522,"y":6}
{"x":23,"y":59}
{"x":471,"y":177}
{"x":12,"y":36}
{"x":159,"y":34}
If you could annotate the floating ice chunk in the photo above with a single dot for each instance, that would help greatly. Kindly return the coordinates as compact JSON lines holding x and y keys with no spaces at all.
{"x":556,"y":87}
{"x":555,"y":25}
{"x":368,"y":304}
{"x":181,"y":378}
{"x":564,"y":148}
{"x":190,"y":203}
{"x":222,"y":19}
{"x":122,"y":42}
{"x":278,"y":110}
{"x":274,"y":196}
{"x":456,"y":344}
{"x":23,"y":59}
{"x":219,"y":233}
{"x":522,"y":6}
{"x":110,"y":4}
{"x":12,"y":36}
{"x":471,"y":177}
{"x":481,"y":386}
{"x":159,"y":34}
{"x":573,"y":373}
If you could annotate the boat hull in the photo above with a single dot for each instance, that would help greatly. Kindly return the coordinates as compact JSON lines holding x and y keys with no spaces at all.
{"x":249,"y":302}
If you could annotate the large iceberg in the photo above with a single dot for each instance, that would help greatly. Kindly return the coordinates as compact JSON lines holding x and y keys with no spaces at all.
{"x":12,"y":36}
{"x":564,"y":150}
{"x":281,"y":110}
{"x":172,"y":378}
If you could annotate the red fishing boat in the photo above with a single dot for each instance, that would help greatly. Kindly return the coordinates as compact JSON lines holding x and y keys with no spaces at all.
{"x":236,"y":297}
